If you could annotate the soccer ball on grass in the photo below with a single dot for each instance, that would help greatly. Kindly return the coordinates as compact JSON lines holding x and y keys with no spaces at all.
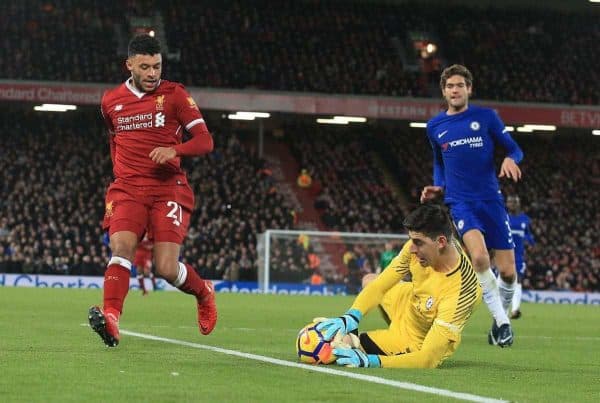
{"x":312,"y":348}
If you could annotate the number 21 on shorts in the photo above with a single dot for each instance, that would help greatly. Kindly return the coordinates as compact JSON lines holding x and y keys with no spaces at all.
{"x":175,"y":213}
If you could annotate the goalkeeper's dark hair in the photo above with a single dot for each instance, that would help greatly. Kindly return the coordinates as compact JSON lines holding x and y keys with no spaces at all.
{"x":143,"y":44}
{"x":431,"y":219}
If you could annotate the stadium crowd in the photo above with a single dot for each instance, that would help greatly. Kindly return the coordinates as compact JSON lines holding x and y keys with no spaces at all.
{"x":564,"y":211}
{"x":51,"y":208}
{"x":65,"y":40}
{"x":355,"y":197}
{"x":235,"y":202}
{"x":332,"y":47}
{"x":54,"y":169}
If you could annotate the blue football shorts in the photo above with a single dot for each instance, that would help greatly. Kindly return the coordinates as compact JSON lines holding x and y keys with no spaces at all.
{"x":488,"y":216}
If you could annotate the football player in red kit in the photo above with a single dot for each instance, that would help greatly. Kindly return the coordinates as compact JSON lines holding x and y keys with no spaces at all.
{"x":143,"y":264}
{"x":146,"y":117}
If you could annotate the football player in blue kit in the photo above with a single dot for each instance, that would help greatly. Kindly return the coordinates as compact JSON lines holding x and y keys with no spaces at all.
{"x":463,"y":139}
{"x":520,"y":226}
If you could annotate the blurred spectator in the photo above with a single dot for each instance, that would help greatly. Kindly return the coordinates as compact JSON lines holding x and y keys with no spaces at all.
{"x":316,"y":278}
{"x":387,"y":256}
{"x":304,"y":179}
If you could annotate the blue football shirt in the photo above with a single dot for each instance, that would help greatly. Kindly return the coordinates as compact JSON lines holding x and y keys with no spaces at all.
{"x":463,"y":153}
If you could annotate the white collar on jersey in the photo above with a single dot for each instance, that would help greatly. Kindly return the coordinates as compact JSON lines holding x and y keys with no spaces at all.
{"x":134,"y":90}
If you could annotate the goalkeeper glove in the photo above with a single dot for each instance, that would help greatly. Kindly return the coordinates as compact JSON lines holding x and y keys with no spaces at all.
{"x":344,"y":324}
{"x":354,"y":357}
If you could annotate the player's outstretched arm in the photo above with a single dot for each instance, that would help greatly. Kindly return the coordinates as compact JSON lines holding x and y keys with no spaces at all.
{"x":509,"y":169}
{"x":439,"y":171}
{"x":435,"y":348}
{"x":201,"y":142}
{"x":367,"y":299}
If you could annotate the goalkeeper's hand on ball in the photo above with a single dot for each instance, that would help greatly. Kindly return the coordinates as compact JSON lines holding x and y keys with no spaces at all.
{"x":343,"y":325}
{"x":354,"y":357}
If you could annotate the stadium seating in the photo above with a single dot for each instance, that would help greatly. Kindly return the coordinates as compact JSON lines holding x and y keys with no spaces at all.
{"x":235,"y":203}
{"x":564,"y":211}
{"x":51,"y":170}
{"x":330,"y":47}
{"x":355,"y":197}
{"x":54,"y":174}
{"x":50,"y":207}
{"x":63,"y":40}
{"x":54,"y":171}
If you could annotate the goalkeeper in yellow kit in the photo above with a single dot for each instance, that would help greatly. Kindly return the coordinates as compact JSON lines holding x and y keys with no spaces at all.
{"x":425,"y":316}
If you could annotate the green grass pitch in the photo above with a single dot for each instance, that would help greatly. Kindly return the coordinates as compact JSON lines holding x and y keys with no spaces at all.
{"x":48,"y":353}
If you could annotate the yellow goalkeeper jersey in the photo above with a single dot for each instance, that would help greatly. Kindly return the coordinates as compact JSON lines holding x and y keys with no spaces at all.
{"x":434,"y":312}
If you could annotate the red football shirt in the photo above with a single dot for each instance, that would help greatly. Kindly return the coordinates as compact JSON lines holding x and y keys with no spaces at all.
{"x":141,"y":121}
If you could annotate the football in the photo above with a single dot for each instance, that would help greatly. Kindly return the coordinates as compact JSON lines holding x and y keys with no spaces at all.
{"x":312,"y":348}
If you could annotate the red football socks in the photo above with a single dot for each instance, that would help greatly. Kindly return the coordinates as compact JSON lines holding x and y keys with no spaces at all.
{"x":193,"y":283}
{"x":116,"y":286}
{"x":142,"y":284}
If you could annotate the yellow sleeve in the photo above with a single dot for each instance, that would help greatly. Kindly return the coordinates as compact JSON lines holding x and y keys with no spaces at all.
{"x":436,"y":347}
{"x":373,"y":293}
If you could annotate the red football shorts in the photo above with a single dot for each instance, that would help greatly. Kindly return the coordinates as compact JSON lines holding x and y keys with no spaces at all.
{"x":162,"y":210}
{"x":143,"y":258}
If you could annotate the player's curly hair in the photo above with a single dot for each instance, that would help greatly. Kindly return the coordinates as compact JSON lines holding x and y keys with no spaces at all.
{"x":456,"y":70}
{"x":143,"y":44}
{"x":431,"y":219}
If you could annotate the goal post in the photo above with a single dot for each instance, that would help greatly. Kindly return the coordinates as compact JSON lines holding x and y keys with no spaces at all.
{"x":321,"y":257}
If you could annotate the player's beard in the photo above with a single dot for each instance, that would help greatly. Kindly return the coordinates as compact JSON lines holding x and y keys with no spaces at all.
{"x":139,"y":84}
{"x":457,"y":104}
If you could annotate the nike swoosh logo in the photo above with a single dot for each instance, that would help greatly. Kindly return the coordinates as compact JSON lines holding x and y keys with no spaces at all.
{"x":442,"y":134}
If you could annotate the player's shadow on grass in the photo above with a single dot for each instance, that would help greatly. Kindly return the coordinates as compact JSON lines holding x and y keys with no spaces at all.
{"x":526,"y":370}
{"x":484,"y":364}
{"x":462,"y":364}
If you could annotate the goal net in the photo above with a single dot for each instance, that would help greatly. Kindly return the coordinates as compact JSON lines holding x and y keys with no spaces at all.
{"x":317,"y":257}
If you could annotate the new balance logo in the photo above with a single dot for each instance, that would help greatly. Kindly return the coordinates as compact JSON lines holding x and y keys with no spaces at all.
{"x":159,"y":119}
{"x":442,"y":134}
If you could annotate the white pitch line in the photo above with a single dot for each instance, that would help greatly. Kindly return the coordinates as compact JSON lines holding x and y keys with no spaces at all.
{"x":368,"y":378}
{"x":468,"y":335}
